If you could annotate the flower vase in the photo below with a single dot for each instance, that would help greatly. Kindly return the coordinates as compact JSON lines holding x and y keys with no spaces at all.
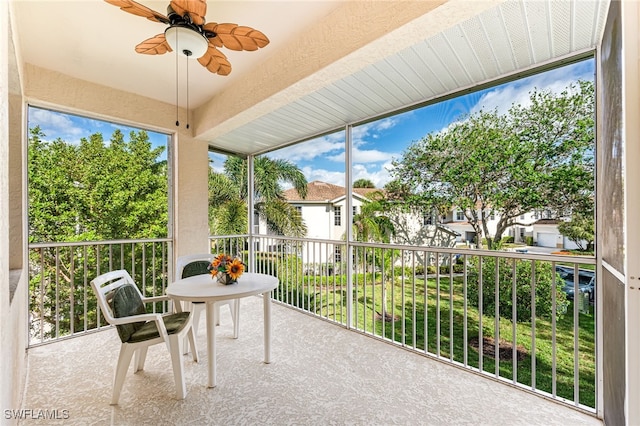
{"x":225,"y":279}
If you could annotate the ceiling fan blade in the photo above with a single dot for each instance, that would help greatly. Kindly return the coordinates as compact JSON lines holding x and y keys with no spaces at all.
{"x":140,"y":10}
{"x":235,"y":37}
{"x":197,"y":9}
{"x":215,"y":61}
{"x":156,"y":45}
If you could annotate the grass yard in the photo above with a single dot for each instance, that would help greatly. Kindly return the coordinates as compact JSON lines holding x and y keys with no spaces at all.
{"x":402,"y":318}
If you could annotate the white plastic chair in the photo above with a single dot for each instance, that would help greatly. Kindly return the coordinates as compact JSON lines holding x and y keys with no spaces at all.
{"x":196,"y":264}
{"x":122,"y":305}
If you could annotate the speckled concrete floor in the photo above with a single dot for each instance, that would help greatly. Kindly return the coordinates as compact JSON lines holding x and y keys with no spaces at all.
{"x":321,"y":374}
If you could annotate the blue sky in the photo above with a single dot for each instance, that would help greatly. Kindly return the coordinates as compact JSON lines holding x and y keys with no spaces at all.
{"x":376,"y":144}
{"x":72,"y":128}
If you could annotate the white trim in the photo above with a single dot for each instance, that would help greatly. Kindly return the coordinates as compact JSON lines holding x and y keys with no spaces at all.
{"x":619,"y":275}
{"x":630,"y":13}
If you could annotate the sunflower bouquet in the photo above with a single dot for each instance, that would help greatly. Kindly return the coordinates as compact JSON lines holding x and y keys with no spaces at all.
{"x":226,"y":269}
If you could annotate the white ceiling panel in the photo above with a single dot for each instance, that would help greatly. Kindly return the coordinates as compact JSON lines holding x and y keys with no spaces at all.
{"x":513,"y":36}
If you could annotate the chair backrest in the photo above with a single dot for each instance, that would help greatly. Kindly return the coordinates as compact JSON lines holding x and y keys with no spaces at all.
{"x":193,"y":264}
{"x":119,"y":297}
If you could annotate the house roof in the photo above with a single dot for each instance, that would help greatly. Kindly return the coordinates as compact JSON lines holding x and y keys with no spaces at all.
{"x":546,"y":222}
{"x":323,"y":192}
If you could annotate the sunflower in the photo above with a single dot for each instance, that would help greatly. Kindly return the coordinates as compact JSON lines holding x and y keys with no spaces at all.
{"x":217,"y":260}
{"x":235,"y":269}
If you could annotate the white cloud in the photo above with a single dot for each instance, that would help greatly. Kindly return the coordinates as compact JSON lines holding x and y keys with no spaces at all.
{"x":331,"y":147}
{"x":503,"y":97}
{"x":364,"y":156}
{"x":379,"y":175}
{"x":56,"y":124}
{"x":309,"y":150}
{"x":329,"y":176}
{"x":217,"y":163}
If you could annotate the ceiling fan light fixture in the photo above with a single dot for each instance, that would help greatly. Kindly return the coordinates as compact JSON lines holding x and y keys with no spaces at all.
{"x":186,"y":41}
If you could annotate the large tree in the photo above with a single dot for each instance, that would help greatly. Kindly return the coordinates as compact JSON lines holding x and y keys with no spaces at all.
{"x":536,"y":156}
{"x":228,"y":196}
{"x":580,"y":229}
{"x":96,"y":190}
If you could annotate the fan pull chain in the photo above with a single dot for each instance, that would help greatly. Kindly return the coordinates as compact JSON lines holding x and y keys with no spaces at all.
{"x":177,"y":97}
{"x":188,"y":54}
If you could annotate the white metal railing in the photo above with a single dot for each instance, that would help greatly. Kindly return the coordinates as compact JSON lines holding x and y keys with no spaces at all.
{"x":460,"y":306}
{"x":61,"y":302}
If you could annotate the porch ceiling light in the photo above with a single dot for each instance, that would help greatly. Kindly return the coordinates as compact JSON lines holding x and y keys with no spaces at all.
{"x":185,"y":40}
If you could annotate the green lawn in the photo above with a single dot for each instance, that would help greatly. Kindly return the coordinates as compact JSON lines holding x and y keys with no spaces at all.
{"x":443,"y":329}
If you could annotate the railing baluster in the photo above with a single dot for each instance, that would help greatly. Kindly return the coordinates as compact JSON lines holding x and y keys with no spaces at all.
{"x":465,"y":326}
{"x":438,"y":342}
{"x":57,"y":283}
{"x":514,"y":320}
{"x":450,"y":306}
{"x":577,"y":296}
{"x":554,"y":383}
{"x":403,"y":311}
{"x":496,"y":319}
{"x":414,"y":300}
{"x":533,"y":324}
{"x":480,"y":313}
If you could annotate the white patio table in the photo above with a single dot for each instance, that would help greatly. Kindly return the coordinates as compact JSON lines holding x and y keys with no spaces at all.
{"x":202,"y":288}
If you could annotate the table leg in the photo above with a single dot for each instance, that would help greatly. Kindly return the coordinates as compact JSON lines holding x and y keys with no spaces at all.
{"x":266,"y":301}
{"x":236,"y":317}
{"x":211,"y":346}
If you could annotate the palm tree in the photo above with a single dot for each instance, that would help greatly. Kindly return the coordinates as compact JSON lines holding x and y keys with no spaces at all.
{"x":363,"y":183}
{"x":371,"y":224}
{"x":229,"y":210}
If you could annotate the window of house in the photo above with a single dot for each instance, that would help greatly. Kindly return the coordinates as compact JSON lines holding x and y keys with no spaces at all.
{"x":426,"y":219}
{"x":492,"y":215}
{"x":256,"y":222}
{"x":337,"y":254}
{"x":337,"y":215}
{"x":299,"y":209}
{"x":460,"y":215}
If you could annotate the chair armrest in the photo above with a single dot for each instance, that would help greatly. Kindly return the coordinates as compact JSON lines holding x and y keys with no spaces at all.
{"x":137,"y":318}
{"x":152,"y":299}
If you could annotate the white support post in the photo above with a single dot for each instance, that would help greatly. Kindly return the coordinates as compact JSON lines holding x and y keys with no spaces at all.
{"x":348,"y":151}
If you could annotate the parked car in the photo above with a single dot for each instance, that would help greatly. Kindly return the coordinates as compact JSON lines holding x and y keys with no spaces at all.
{"x":586,"y":281}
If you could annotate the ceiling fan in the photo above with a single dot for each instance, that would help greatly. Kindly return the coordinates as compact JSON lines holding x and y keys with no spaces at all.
{"x":190,"y":35}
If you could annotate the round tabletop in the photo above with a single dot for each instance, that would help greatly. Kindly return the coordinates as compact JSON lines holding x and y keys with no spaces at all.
{"x":204,"y":288}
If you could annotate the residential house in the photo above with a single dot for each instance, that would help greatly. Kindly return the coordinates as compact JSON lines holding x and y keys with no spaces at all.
{"x":324,"y":212}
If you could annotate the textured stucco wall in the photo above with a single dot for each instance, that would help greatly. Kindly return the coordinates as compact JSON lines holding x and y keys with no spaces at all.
{"x":16,"y":178}
{"x":13,"y":315}
{"x":191,"y":162}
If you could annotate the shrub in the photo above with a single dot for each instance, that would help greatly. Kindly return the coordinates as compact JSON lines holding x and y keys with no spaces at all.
{"x":508,"y":240}
{"x":528,"y":240}
{"x":543,"y":289}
